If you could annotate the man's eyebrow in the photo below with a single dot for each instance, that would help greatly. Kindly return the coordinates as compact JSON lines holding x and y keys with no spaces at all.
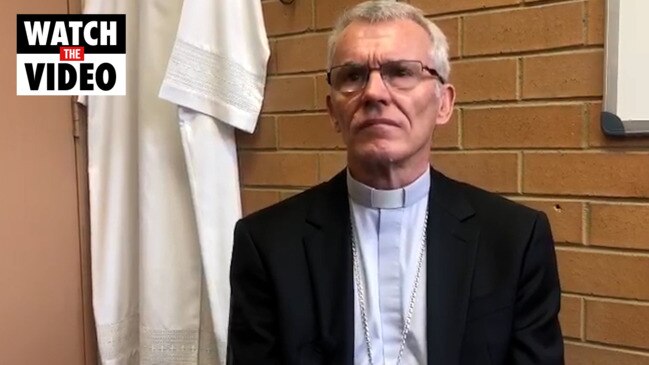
{"x":362,"y":63}
{"x":352,"y":62}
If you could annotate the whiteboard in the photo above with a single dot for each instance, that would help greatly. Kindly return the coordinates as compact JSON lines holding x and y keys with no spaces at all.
{"x":626,"y":86}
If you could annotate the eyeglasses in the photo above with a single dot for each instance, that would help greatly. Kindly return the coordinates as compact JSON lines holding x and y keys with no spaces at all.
{"x":401,"y":74}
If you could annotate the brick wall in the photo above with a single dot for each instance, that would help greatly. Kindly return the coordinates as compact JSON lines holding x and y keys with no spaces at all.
{"x":529,"y":81}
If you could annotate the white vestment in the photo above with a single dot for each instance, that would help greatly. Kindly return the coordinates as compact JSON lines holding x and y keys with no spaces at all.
{"x":160,"y":219}
{"x":216,"y":75}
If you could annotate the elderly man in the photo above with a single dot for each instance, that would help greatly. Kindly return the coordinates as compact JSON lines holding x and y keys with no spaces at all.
{"x":391,"y":262}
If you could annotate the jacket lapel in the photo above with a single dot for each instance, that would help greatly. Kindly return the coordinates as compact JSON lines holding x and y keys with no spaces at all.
{"x":452,"y":237}
{"x":328,"y":251}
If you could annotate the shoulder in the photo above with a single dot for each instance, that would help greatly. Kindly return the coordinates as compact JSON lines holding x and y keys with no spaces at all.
{"x":289,"y":215}
{"x":289,"y":209}
{"x":494,"y":212}
{"x":496,"y":205}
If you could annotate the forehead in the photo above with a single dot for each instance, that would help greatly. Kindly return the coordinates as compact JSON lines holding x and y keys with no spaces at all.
{"x":394,"y":39}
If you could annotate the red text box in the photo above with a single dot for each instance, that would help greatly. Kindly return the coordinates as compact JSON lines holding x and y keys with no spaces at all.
{"x":71,"y":54}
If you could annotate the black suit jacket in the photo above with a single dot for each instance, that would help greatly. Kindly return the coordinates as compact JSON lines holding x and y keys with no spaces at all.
{"x":492,"y":286}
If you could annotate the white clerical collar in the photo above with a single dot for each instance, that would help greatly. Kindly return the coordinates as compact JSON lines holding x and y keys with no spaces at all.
{"x":388,"y":199}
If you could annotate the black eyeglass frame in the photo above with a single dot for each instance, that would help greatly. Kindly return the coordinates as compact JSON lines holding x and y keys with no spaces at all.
{"x":430,"y":70}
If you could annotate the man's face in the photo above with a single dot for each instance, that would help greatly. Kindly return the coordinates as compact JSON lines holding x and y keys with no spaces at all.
{"x":381,"y":123}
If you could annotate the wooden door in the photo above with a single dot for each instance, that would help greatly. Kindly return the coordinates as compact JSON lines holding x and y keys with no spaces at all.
{"x":45,"y":309}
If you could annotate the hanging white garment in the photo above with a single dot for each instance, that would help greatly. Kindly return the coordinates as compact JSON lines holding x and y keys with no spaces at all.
{"x":149,"y":293}
{"x":216,"y":75}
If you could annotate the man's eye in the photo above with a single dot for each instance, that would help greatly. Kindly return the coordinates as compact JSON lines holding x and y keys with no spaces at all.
{"x":401,"y":72}
{"x":354,"y":75}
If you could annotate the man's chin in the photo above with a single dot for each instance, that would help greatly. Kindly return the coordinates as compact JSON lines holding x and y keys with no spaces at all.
{"x":379,"y":156}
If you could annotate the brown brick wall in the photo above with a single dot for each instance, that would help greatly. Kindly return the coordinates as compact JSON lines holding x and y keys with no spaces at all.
{"x":529,"y":80}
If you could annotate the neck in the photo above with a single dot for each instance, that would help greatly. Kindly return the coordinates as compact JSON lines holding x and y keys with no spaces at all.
{"x":385,"y":176}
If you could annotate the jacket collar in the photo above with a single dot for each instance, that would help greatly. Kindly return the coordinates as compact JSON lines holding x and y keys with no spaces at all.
{"x":327,"y":244}
{"x":452,"y":237}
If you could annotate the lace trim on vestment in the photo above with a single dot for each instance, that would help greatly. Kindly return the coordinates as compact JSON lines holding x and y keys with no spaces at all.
{"x":214,"y":77}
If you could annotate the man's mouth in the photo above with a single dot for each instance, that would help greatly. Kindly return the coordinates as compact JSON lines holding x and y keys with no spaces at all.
{"x":377,"y":122}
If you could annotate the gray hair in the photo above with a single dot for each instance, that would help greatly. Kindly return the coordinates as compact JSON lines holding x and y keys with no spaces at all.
{"x":385,"y":10}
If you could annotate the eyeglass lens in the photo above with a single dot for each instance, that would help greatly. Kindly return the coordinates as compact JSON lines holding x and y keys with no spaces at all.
{"x":397,"y":74}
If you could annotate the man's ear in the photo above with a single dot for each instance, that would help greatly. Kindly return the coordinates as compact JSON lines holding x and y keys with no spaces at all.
{"x":332,"y":117}
{"x":446,"y":103}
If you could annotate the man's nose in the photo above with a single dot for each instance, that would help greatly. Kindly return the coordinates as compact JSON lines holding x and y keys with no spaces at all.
{"x":375,"y":89}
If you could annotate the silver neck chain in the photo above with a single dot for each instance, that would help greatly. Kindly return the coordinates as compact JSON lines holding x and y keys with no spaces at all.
{"x":359,"y":275}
